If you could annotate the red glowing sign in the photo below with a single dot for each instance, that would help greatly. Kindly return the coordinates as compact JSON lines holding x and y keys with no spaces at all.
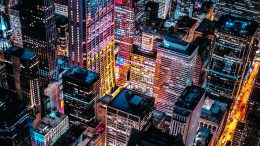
{"x":119,"y":1}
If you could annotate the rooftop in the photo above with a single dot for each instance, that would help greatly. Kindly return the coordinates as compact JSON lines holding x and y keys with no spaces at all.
{"x":92,"y":135}
{"x":153,"y":137}
{"x":49,"y":122}
{"x":237,"y":26}
{"x":132,"y":102}
{"x":189,"y":99}
{"x":176,"y":44}
{"x":23,"y":54}
{"x":81,"y":75}
{"x":213,"y":110}
{"x":138,"y":51}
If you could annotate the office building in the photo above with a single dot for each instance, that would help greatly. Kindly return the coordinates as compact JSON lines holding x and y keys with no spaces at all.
{"x":73,"y":136}
{"x":91,"y":39}
{"x":62,"y":35}
{"x":248,"y":9}
{"x":174,"y":70}
{"x":142,"y":71}
{"x":183,"y":8}
{"x":14,"y":121}
{"x":153,"y":137}
{"x":15,"y":22}
{"x":101,"y":108}
{"x":164,"y":8}
{"x":228,"y":66}
{"x":39,"y":35}
{"x":93,"y":136}
{"x":61,"y":7}
{"x":50,"y":129}
{"x":127,"y":110}
{"x":22,"y":70}
{"x":129,"y":17}
{"x":186,"y":113}
{"x":80,"y":91}
{"x":203,"y":138}
{"x":214,"y":113}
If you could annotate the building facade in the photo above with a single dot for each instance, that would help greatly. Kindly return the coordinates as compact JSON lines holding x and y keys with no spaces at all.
{"x":91,"y":39}
{"x":231,"y":56}
{"x":129,"y":16}
{"x":80,"y":90}
{"x":15,"y":23}
{"x":50,"y":129}
{"x":39,"y":35}
{"x":127,"y":110}
{"x":22,"y":70}
{"x":174,"y":71}
{"x":186,"y":113}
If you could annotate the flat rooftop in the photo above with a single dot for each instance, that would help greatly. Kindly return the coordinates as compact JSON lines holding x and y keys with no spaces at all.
{"x":49,"y":122}
{"x":82,"y":76}
{"x":23,"y":54}
{"x":189,"y":98}
{"x":132,"y":102}
{"x":178,"y":45}
{"x":153,"y":137}
{"x":213,"y":110}
{"x":138,"y":51}
{"x":237,"y":26}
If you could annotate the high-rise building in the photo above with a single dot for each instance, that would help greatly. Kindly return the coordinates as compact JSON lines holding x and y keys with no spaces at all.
{"x":61,"y":7}
{"x":91,"y":39}
{"x":14,"y":121}
{"x":164,"y":8}
{"x":80,"y":90}
{"x":62,"y":35}
{"x":248,"y":9}
{"x":39,"y":35}
{"x":129,"y":16}
{"x":231,"y":56}
{"x":214,"y":113}
{"x":15,"y":23}
{"x":50,"y":129}
{"x":127,"y":110}
{"x":186,"y":113}
{"x":183,"y":8}
{"x":4,"y":37}
{"x":22,"y":69}
{"x":174,"y":71}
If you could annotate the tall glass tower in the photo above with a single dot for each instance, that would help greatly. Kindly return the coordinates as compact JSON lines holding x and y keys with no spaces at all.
{"x":39,"y":34}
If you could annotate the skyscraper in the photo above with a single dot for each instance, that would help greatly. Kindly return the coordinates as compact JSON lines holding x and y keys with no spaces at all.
{"x":91,"y":38}
{"x":127,"y":110}
{"x":81,"y":90}
{"x":22,"y":68}
{"x":129,"y":16}
{"x":248,"y":9}
{"x":39,"y":34}
{"x":231,"y":56}
{"x":174,"y":71}
{"x":183,"y":8}
{"x":186,"y":113}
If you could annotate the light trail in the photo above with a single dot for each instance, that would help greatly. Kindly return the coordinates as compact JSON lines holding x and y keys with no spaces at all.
{"x":239,"y":110}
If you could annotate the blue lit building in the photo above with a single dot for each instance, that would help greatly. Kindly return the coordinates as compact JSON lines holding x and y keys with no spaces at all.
{"x":80,"y":91}
{"x":231,"y":56}
{"x":50,"y":129}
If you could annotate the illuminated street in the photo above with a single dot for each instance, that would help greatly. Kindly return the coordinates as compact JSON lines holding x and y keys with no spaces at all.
{"x":239,"y":110}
